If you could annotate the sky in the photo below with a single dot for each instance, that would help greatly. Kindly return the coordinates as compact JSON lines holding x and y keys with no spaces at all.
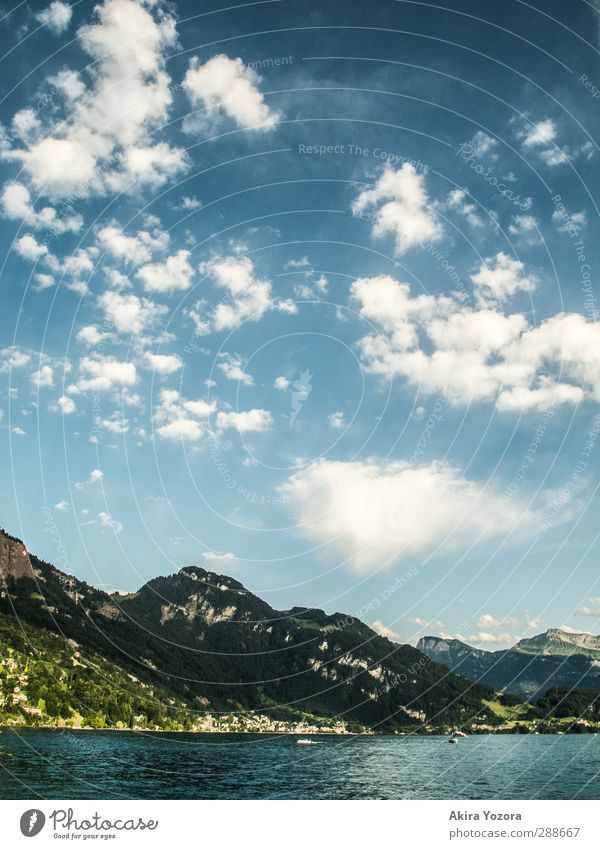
{"x":306,"y":294}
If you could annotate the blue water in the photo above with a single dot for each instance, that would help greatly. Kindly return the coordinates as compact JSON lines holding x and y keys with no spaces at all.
{"x":58,"y":764}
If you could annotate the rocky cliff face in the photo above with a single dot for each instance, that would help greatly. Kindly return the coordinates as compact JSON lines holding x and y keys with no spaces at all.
{"x":14,"y":560}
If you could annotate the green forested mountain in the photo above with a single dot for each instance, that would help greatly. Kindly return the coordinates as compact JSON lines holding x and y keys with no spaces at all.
{"x":199,"y":642}
{"x":553,"y":659}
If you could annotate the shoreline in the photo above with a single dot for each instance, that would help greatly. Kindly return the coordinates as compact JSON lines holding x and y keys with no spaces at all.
{"x":369,"y":734}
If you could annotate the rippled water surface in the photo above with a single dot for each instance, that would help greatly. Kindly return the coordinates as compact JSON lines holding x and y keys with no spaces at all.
{"x":105,"y":764}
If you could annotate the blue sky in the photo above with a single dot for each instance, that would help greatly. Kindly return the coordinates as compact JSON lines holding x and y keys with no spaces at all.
{"x":307,"y":295}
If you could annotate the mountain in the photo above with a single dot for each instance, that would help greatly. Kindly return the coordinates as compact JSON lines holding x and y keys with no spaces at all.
{"x":205,"y":644}
{"x":557,"y":642}
{"x":553,"y":659}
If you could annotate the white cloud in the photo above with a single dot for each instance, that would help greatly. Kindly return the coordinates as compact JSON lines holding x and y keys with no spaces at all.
{"x":373,"y":513}
{"x":178,"y":419}
{"x":11,"y":358}
{"x":336,"y":420}
{"x":43,"y":377}
{"x":107,"y":121}
{"x":16,"y":204}
{"x":44,"y":281}
{"x":281,"y":383}
{"x":62,"y":507}
{"x":384,"y":631}
{"x":96,"y":475}
{"x":487,"y":638}
{"x":106,"y":521}
{"x":134,"y":250}
{"x":103,"y":374}
{"x":28,"y":247}
{"x":224,"y":86}
{"x":247,"y":421}
{"x":56,"y":16}
{"x":18,"y":431}
{"x":232,"y":367}
{"x":66,"y":405}
{"x":569,"y":223}
{"x":587,"y":611}
{"x":213,"y":560}
{"x":541,"y":137}
{"x":459,"y":201}
{"x":401,"y":207}
{"x":174,"y":274}
{"x":90,"y":335}
{"x":539,"y":134}
{"x":500,"y":278}
{"x":164,"y":363}
{"x":486,"y":620}
{"x":440,"y":346}
{"x":128,"y":313}
{"x":525,"y":228}
{"x":248,"y":297}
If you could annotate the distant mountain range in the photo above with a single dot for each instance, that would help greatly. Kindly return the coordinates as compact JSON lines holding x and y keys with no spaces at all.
{"x":197,"y":642}
{"x":555,"y":658}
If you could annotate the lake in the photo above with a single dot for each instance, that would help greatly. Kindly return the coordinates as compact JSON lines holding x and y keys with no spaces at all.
{"x":59,"y":764}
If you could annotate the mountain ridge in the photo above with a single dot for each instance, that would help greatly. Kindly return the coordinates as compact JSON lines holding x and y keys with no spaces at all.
{"x":215,"y":646}
{"x":528,"y":669}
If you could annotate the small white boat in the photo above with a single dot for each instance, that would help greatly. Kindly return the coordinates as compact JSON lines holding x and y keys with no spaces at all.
{"x":304,"y":742}
{"x":460,"y":734}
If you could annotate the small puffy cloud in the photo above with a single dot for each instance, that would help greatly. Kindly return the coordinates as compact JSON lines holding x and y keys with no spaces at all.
{"x":491,"y":638}
{"x":281,"y":383}
{"x":336,"y":420}
{"x":569,"y":222}
{"x":384,"y":631}
{"x":232,"y":367}
{"x":247,"y":421}
{"x":373,"y":512}
{"x":56,"y":16}
{"x":103,"y":374}
{"x":11,"y":358}
{"x":178,"y":419}
{"x":459,"y":201}
{"x":66,"y":405}
{"x":90,"y":335}
{"x":43,"y":377}
{"x":400,"y":206}
{"x":542,"y":137}
{"x":18,"y":431}
{"x":132,"y":250}
{"x":248,"y":296}
{"x":44,"y":281}
{"x":172,"y":275}
{"x":128,"y":313}
{"x":214,"y":560}
{"x":28,"y":247}
{"x":106,"y":521}
{"x":499,"y":278}
{"x":539,"y":134}
{"x":96,"y":475}
{"x":164,"y":363}
{"x":61,"y":507}
{"x":226,"y":87}
{"x":525,"y":228}
{"x":486,"y":620}
{"x":16,"y":205}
